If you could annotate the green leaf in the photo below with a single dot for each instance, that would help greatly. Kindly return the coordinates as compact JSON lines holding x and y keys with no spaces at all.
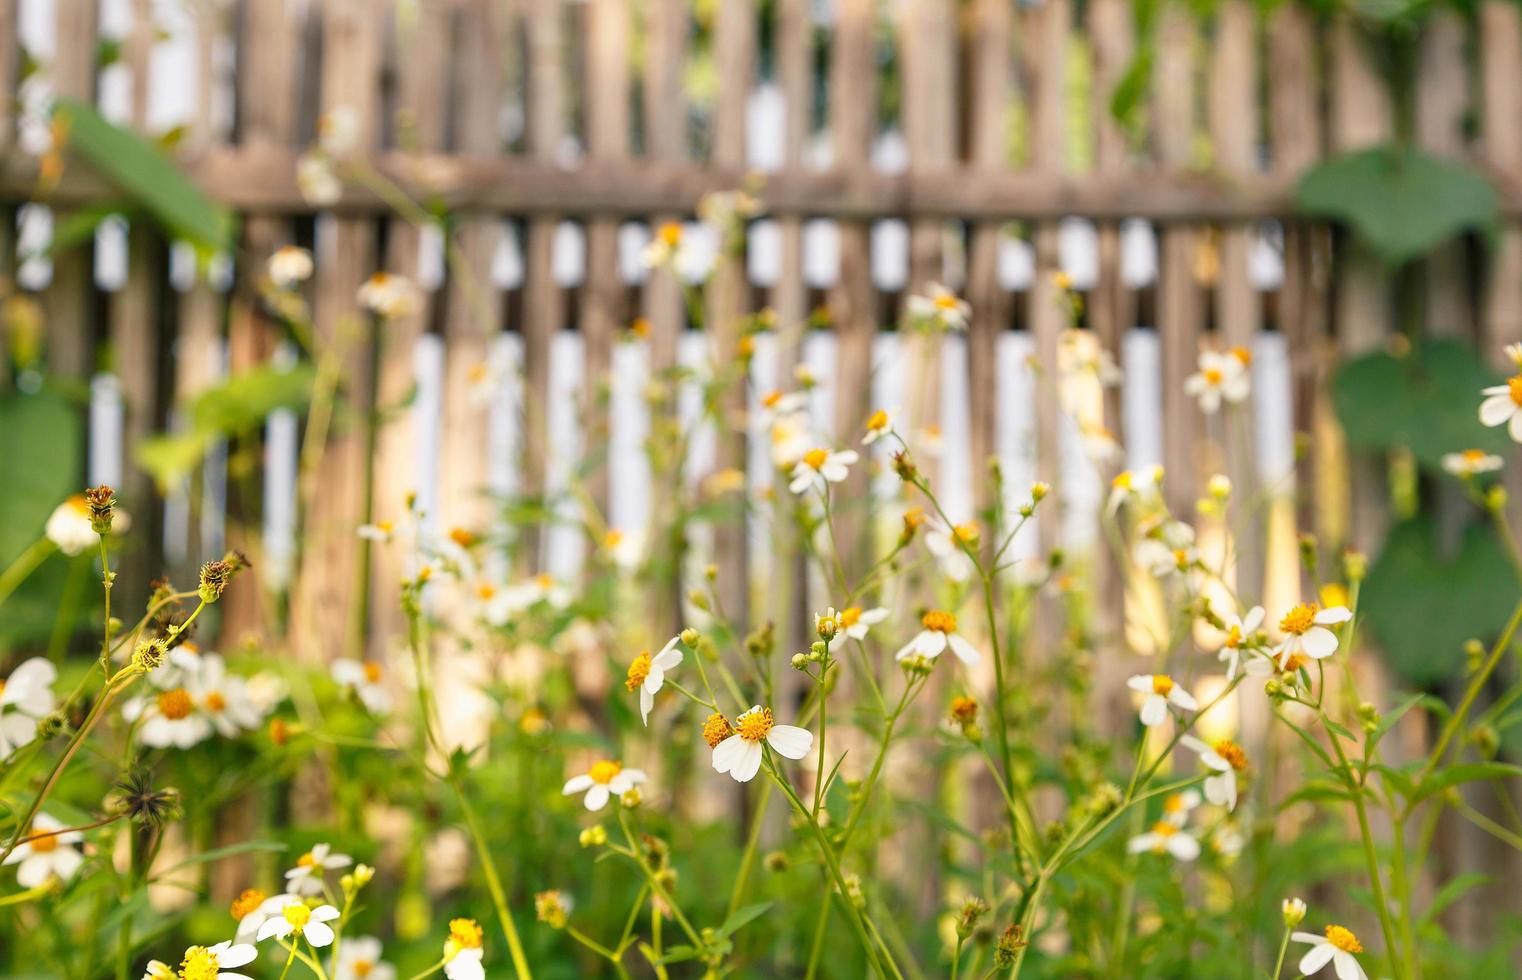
{"x":1469,"y":772}
{"x":145,"y":175}
{"x":1423,"y":400}
{"x":742,"y":917}
{"x":1400,"y":202}
{"x":1423,"y":604}
{"x":218,"y":853}
{"x":1451,"y":892}
{"x":236,"y":407}
{"x":1317,"y":791}
{"x":1391,"y":719}
{"x":42,"y":442}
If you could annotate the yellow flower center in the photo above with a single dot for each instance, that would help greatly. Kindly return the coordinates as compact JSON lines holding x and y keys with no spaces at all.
{"x":477,"y":373}
{"x":544,"y":581}
{"x":753,"y":725}
{"x":361,"y":968}
{"x":1213,"y":376}
{"x":465,"y":933}
{"x":1243,"y":355}
{"x":640,"y":327}
{"x":175,"y":704}
{"x":716,"y":729}
{"x":964,"y":710}
{"x":604,"y":770}
{"x":297,"y":915}
{"x":850,"y":616}
{"x":612,"y":539}
{"x":878,"y":421}
{"x":945,"y":301}
{"x":307,"y":860}
{"x":44,"y":845}
{"x":1473,"y":455}
{"x":966,"y":533}
{"x":200,"y":963}
{"x":1299,"y":619}
{"x":671,"y":234}
{"x":1343,"y":938}
{"x":462,"y":537}
{"x":1295,"y":662}
{"x":386,"y":527}
{"x":1514,"y":386}
{"x":815,"y":458}
{"x":1174,"y":804}
{"x":215,"y":702}
{"x":638,"y":671}
{"x":771,"y":399}
{"x":1232,"y":753}
{"x":2,"y":685}
{"x":485,"y":590}
{"x":939,"y":621}
{"x":1234,"y":637}
{"x":247,"y":902}
{"x":1123,"y":480}
{"x":373,"y":672}
{"x":1162,"y":684}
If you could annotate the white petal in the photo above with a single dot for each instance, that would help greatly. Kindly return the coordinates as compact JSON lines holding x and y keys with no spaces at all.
{"x":727,"y":753}
{"x":34,"y":870}
{"x":872,"y":617}
{"x":1496,"y":409}
{"x":790,"y":740}
{"x":597,"y":797}
{"x":318,"y":934}
{"x":1514,"y":428}
{"x":1347,"y":966}
{"x":1194,"y":744}
{"x":1318,"y":642}
{"x":276,"y":926}
{"x":1141,"y":843}
{"x":1140,"y":682}
{"x":325,"y":913}
{"x":964,"y":651}
{"x":577,"y":784}
{"x":667,"y":658}
{"x":1314,"y":938}
{"x":1318,"y":957}
{"x":1153,"y":710}
{"x":749,"y":763}
{"x":1334,"y":615}
{"x":930,"y":643}
{"x":1252,"y":620}
{"x":646,"y":702}
{"x":1183,"y":847}
{"x":1183,"y":699}
{"x":237,"y":955}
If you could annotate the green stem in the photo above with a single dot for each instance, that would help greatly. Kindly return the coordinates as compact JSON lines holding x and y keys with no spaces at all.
{"x":493,"y":882}
{"x":25,"y":564}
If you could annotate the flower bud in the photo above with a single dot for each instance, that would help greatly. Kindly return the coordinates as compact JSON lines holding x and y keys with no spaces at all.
{"x":148,"y":655}
{"x":973,"y":909}
{"x":101,"y":501}
{"x":1008,"y":947}
{"x":1219,"y":487}
{"x":1039,"y":490}
{"x":1294,"y":912}
{"x":594,"y":836}
{"x":552,"y":908}
{"x":631,"y":798}
{"x":214,"y":578}
{"x":690,"y":636}
{"x":800,"y":662}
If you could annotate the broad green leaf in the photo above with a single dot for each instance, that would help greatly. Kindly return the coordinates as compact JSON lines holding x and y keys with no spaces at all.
{"x":146,"y":176}
{"x":742,"y":917}
{"x":1469,"y":772}
{"x":1399,"y":201}
{"x":1423,"y":604}
{"x":1424,"y":400}
{"x":42,"y":444}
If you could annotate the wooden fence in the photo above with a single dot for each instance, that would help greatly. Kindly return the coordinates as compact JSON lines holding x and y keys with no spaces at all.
{"x":537,"y":123}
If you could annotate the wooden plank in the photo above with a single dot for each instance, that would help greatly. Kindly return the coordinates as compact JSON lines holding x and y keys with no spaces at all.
{"x":1361,"y":116}
{"x":609,"y":34}
{"x":1442,"y":106}
{"x":1233,"y":120}
{"x":261,"y":180}
{"x":728,"y":297}
{"x":665,"y":101}
{"x":1501,"y":115}
{"x":67,"y":302}
{"x":853,"y":100}
{"x":1179,"y":302}
{"x":10,"y":70}
{"x":329,"y":605}
{"x":543,"y":302}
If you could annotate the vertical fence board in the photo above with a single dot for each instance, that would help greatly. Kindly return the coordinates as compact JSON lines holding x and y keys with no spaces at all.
{"x":67,"y":302}
{"x":1501,"y":122}
{"x":1442,"y":103}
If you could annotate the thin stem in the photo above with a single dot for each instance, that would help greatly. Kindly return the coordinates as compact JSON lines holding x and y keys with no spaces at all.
{"x":24,"y":565}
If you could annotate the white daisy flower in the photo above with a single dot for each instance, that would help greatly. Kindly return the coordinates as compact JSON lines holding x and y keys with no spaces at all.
{"x":647,"y":674}
{"x":1220,"y":377}
{"x":252,"y":909}
{"x":367,"y":679}
{"x":1336,"y":947}
{"x":1100,"y":444}
{"x":1176,"y":807}
{"x":626,"y":548}
{"x":169,"y":719}
{"x":791,"y":440}
{"x":854,"y":622}
{"x":1503,"y":406}
{"x":159,"y":970}
{"x":53,"y":856}
{"x":380,"y":531}
{"x":306,"y":877}
{"x":462,"y":951}
{"x":1236,"y":653}
{"x":1167,"y":549}
{"x":1160,"y":691}
{"x":69,"y":527}
{"x":289,"y":266}
{"x":1081,"y":353}
{"x":940,"y":307}
{"x":485,"y":379}
{"x":216,"y":962}
{"x":740,"y":753}
{"x":945,"y":543}
{"x":879,"y":425}
{"x":359,"y":958}
{"x":388,"y":296}
{"x":26,"y":697}
{"x":319,"y":185}
{"x":819,"y":468}
{"x":266,"y":691}
{"x":1227,"y":759}
{"x":940,"y":632}
{"x":1131,"y":485}
{"x":530,"y":592}
{"x":1471,"y":462}
{"x":778,"y":404}
{"x":1307,"y":636}
{"x":604,"y":779}
{"x":1166,"y":837}
{"x":301,"y":920}
{"x":338,"y":130}
{"x":224,"y":698}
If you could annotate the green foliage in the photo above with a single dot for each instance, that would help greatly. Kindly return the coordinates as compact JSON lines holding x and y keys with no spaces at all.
{"x":42,"y":443}
{"x":1399,"y":201}
{"x":148,"y":178}
{"x":232,"y":409}
{"x":1422,"y":400}
{"x":1424,"y":603}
